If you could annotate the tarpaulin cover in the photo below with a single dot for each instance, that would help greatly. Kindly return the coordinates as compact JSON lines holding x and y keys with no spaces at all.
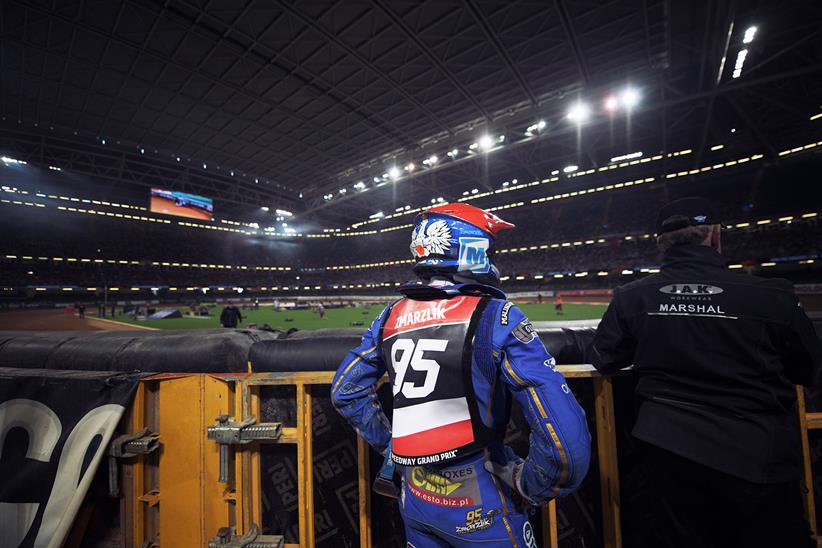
{"x":54,"y":431}
{"x":184,"y":351}
{"x":324,"y":349}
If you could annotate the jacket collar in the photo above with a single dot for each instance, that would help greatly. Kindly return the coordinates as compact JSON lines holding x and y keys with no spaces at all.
{"x":693,"y":253}
{"x":444,"y":289}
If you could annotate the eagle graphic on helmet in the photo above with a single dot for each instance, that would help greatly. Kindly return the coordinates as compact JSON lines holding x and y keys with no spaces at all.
{"x":430,"y":239}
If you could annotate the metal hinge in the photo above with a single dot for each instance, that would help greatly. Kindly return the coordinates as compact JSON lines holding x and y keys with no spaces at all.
{"x":228,"y":432}
{"x":127,"y":446}
{"x":227,"y":538}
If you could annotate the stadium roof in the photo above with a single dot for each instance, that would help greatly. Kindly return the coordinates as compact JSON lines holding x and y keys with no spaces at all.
{"x":306,"y":105}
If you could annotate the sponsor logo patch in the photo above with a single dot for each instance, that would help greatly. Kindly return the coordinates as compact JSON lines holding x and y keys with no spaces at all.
{"x":473,"y":256}
{"x":449,"y":487}
{"x":448,"y":502}
{"x":503,"y":317}
{"x":691,"y":289}
{"x":524,"y":331}
{"x":476,"y":521}
{"x":433,"y":483}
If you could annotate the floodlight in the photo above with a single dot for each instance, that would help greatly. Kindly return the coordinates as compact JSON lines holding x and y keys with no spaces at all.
{"x":740,"y":62}
{"x":485,"y":142}
{"x":579,"y":112}
{"x":611,"y":103}
{"x":570,"y":169}
{"x":629,"y":98}
{"x":749,"y":35}
{"x":394,"y":172}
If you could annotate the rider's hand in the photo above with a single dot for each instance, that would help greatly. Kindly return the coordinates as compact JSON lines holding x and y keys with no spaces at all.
{"x":509,"y":472}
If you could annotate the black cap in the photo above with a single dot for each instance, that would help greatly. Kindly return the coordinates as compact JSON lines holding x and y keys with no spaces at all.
{"x":685,"y":212}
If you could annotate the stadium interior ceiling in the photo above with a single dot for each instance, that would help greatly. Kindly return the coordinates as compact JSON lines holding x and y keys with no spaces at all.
{"x":335,"y":110}
{"x":319,"y":129}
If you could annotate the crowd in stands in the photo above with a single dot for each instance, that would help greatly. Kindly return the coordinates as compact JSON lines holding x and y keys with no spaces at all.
{"x":776,"y":241}
{"x":567,"y":223}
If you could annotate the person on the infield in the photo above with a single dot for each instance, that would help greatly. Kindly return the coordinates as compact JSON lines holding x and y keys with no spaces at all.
{"x":230,"y":316}
{"x":456,"y":352}
{"x":558,"y":302}
{"x":717,"y":354}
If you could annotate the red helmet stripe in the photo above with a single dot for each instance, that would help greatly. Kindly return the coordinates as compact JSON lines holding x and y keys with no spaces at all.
{"x":471,"y":214}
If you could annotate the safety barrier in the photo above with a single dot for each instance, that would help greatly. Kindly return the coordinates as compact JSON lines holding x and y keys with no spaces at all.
{"x":176,"y":495}
{"x":257,"y":427}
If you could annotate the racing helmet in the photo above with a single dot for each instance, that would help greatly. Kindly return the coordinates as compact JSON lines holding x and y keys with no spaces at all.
{"x":456,"y":239}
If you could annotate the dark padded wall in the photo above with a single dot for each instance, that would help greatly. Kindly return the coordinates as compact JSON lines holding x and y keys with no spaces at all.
{"x":184,"y":351}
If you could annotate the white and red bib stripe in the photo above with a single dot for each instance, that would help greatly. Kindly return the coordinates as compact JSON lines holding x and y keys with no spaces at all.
{"x":431,"y":427}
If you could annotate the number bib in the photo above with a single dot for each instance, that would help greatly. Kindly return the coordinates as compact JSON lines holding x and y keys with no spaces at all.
{"x":428,"y":348}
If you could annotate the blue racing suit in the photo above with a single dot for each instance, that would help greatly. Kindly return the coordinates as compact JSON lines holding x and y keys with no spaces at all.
{"x":460,"y":502}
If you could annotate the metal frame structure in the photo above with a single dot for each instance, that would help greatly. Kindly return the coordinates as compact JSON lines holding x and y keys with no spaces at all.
{"x":308,"y":100}
{"x":174,"y":494}
{"x":174,"y":498}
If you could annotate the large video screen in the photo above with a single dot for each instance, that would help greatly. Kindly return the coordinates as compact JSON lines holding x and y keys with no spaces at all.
{"x":181,"y":204}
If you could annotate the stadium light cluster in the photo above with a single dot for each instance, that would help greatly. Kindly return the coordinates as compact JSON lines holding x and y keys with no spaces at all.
{"x":405,"y":210}
{"x":11,"y":161}
{"x":469,"y":195}
{"x":580,"y":112}
{"x":739,"y":64}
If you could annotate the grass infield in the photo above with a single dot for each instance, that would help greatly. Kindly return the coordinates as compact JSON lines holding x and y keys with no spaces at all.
{"x":346,"y":317}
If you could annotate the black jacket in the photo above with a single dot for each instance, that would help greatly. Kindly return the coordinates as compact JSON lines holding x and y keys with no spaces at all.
{"x":717,"y":354}
{"x":230,"y":316}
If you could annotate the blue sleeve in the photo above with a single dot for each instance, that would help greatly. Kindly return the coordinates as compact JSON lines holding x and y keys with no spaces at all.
{"x":354,"y":389}
{"x":560,"y":444}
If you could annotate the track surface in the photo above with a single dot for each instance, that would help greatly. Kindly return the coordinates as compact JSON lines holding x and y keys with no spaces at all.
{"x":55,"y":320}
{"x":59,"y":320}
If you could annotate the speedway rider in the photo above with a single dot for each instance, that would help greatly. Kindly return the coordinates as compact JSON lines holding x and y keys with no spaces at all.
{"x":456,"y":352}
